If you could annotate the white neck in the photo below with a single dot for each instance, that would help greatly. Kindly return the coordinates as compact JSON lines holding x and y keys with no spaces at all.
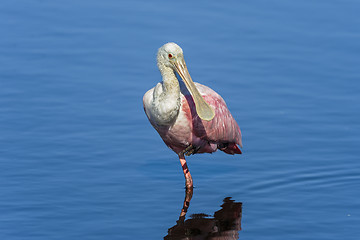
{"x":170,"y":81}
{"x":166,"y":100}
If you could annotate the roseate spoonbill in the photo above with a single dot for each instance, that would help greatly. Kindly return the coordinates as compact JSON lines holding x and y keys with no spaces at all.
{"x":192,"y":118}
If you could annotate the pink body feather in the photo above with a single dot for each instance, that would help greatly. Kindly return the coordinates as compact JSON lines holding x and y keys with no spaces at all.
{"x":222,"y":132}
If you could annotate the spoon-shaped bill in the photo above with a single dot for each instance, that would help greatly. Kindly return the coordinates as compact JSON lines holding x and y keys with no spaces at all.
{"x":203,"y":109}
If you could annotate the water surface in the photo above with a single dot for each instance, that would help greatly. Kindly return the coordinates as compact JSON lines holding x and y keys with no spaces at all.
{"x":79,"y":159}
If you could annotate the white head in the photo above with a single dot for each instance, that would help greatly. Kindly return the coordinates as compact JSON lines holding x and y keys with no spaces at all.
{"x":171,"y":56}
{"x":168,"y":52}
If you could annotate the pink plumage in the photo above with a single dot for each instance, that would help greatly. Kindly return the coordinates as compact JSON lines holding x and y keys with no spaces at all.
{"x":222,"y":132}
{"x":191,"y":118}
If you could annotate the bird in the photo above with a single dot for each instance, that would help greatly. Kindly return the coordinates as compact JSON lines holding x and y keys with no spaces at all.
{"x":190,"y":118}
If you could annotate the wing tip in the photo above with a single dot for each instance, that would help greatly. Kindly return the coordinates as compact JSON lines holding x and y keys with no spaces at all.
{"x":232,"y":149}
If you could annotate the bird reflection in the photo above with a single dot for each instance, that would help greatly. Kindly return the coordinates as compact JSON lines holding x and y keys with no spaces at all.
{"x":224,"y":225}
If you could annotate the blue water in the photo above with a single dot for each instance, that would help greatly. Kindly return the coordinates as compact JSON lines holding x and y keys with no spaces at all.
{"x":79,"y":159}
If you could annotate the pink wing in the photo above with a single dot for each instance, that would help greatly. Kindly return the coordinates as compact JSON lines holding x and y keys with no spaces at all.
{"x":222,"y":129}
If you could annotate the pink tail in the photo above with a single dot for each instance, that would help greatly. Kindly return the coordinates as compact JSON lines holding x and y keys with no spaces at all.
{"x":232,"y":149}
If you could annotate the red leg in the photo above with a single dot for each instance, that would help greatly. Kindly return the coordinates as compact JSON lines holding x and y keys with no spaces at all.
{"x":188,"y":196}
{"x":187,"y":175}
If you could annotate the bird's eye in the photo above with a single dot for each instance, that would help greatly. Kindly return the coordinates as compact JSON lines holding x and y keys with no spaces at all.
{"x":170,"y":55}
